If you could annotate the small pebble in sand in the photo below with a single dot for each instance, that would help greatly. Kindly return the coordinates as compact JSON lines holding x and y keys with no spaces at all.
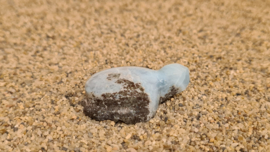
{"x":132,"y":94}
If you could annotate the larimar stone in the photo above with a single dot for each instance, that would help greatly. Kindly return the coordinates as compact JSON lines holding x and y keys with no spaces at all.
{"x":132,"y":94}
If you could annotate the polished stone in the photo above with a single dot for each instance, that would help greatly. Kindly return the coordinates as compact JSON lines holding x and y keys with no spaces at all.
{"x":132,"y":94}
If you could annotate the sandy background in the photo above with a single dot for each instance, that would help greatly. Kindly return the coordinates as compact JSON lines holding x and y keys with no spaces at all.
{"x":48,"y":49}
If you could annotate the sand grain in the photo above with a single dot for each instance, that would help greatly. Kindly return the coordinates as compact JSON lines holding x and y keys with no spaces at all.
{"x":48,"y":49}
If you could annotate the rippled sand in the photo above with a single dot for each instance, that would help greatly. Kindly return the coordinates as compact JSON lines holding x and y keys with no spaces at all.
{"x":48,"y":49}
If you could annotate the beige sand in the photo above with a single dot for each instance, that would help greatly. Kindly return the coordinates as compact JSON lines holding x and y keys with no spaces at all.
{"x":48,"y":49}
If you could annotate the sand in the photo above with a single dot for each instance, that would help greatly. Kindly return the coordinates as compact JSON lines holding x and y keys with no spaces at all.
{"x":48,"y":49}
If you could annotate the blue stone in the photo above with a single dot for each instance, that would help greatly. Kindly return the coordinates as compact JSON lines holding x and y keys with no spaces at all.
{"x":132,"y":94}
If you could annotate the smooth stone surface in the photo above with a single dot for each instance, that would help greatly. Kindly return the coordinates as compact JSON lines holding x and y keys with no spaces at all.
{"x":132,"y":94}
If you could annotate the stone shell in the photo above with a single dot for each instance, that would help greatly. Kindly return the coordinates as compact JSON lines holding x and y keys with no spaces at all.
{"x":129,"y":94}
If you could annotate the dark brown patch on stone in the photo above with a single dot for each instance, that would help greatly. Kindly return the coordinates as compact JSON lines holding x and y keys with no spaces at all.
{"x":113,"y":76}
{"x":130,"y":105}
{"x":169,"y":95}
